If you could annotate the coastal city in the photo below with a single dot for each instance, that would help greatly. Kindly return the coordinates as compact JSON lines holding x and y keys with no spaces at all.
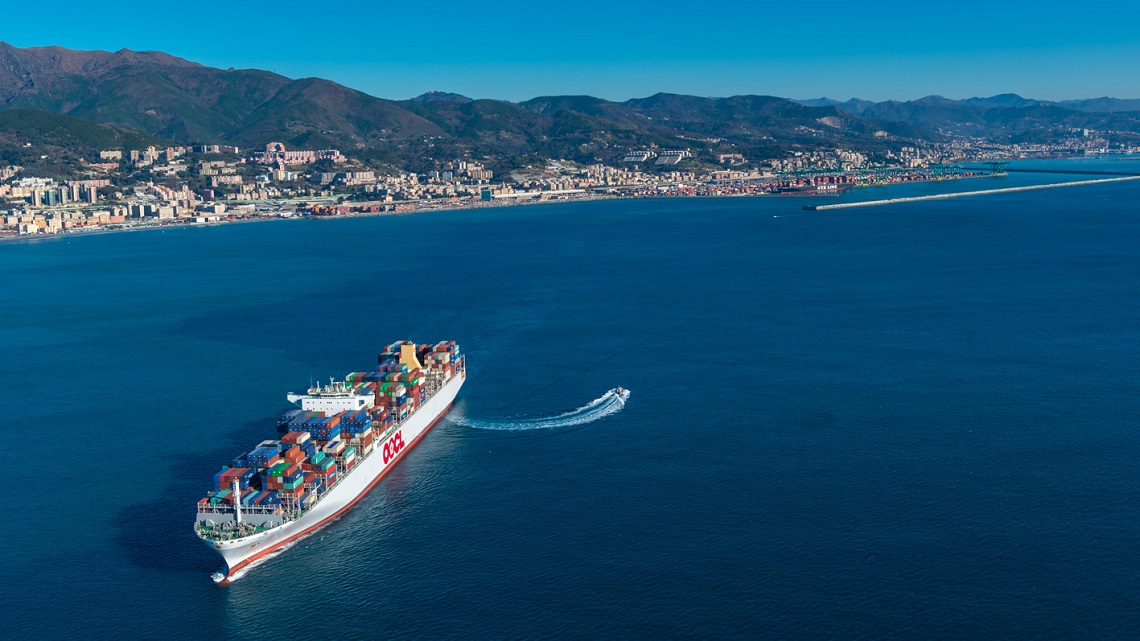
{"x":209,"y":184}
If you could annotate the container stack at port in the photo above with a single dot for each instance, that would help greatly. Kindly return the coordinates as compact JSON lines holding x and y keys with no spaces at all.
{"x":279,"y":479}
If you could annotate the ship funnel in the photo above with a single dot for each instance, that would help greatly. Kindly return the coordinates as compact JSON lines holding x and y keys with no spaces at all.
{"x":408,"y":356}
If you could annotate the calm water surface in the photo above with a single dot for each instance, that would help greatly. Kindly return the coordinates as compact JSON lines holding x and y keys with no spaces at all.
{"x":898,"y":422}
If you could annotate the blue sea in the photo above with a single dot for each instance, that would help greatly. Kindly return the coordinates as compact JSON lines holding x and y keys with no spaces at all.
{"x":917,"y":421}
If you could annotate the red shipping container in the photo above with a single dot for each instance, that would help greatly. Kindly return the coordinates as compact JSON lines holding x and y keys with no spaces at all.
{"x":224,"y":481}
{"x":229,"y":476}
{"x":294,"y":438}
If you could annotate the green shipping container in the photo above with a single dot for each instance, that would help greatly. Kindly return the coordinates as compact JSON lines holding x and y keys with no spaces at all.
{"x":279,"y":469}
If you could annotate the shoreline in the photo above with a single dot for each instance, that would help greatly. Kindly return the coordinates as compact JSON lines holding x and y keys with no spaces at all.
{"x":427,"y":208}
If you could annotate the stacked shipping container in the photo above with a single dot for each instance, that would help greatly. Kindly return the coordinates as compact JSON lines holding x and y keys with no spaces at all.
{"x":314,"y":450}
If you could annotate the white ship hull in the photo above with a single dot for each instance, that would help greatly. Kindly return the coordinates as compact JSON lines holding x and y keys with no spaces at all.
{"x":240,"y":553}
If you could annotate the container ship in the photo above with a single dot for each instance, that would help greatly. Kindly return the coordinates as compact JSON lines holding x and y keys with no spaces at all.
{"x":328,"y":454}
{"x":823,"y":189}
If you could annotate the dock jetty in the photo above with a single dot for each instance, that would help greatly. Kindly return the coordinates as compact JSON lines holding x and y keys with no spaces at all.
{"x":963,"y":194}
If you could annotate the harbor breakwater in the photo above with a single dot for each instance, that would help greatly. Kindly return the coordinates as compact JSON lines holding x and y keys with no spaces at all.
{"x":963,"y":194}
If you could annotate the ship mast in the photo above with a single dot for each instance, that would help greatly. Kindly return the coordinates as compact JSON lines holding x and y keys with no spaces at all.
{"x":237,"y":502}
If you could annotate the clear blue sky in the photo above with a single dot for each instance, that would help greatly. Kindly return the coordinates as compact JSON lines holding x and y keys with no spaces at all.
{"x":617,"y":50}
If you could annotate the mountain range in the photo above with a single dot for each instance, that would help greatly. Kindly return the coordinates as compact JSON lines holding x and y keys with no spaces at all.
{"x":1006,"y":117}
{"x":1090,"y":105}
{"x":154,"y":95}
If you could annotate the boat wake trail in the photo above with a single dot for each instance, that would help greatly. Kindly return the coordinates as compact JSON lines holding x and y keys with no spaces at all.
{"x":609,"y":403}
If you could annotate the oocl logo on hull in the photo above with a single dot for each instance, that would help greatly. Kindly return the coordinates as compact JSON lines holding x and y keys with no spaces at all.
{"x":393,"y":446}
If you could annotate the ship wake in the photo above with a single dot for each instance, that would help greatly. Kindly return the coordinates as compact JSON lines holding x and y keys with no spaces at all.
{"x":607,"y":404}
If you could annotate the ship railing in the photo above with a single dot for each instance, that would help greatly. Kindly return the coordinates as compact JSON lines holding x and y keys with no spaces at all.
{"x":228,"y":508}
{"x":224,"y":533}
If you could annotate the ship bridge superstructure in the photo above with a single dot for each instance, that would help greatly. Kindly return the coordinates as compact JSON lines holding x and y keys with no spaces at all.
{"x":337,"y":396}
